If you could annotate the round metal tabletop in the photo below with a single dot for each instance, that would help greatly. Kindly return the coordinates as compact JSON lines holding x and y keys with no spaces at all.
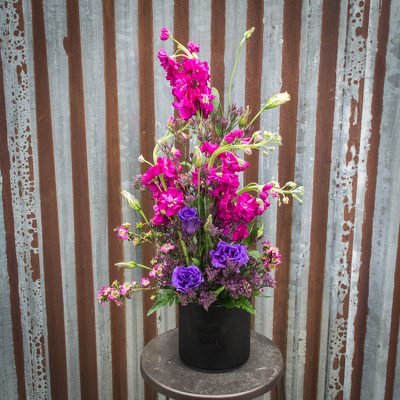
{"x":164,"y":371}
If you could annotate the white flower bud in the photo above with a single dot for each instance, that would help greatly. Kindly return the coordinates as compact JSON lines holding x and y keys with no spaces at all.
{"x":277,"y":100}
{"x":131,"y":200}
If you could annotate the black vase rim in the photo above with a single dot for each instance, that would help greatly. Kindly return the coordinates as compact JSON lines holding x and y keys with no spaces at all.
{"x":213,"y":305}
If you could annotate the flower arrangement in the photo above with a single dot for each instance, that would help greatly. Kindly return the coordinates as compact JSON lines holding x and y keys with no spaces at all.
{"x":204,"y":227}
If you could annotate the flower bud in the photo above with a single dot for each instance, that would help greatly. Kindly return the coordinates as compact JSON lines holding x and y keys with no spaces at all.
{"x":126,"y":264}
{"x":248,"y":151}
{"x":277,"y":100}
{"x":141,"y":159}
{"x":208,"y":224}
{"x":131,"y":200}
{"x":244,"y":117}
{"x":256,"y":137}
{"x":197,"y":157}
{"x":248,"y":33}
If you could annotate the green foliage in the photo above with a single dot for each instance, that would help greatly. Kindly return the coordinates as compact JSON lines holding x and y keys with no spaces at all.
{"x":166,"y":297}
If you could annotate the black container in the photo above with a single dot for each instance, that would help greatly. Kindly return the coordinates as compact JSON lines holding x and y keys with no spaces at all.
{"x":217,"y":340}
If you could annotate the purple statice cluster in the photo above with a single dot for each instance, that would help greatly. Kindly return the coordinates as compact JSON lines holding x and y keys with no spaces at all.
{"x":203,"y":222}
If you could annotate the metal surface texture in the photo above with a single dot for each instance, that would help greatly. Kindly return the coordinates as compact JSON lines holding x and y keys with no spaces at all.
{"x":82,"y":95}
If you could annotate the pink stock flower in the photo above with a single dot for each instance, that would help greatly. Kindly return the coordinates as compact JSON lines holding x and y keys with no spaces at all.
{"x":193,"y":48}
{"x":240,"y":232}
{"x":231,"y":136}
{"x":171,"y":201}
{"x":247,"y":208}
{"x":208,"y":148}
{"x":164,"y":34}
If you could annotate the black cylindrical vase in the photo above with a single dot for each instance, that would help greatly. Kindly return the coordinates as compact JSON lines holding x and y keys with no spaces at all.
{"x":217,"y":340}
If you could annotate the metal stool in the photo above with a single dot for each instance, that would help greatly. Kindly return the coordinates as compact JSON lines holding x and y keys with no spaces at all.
{"x":164,"y":371}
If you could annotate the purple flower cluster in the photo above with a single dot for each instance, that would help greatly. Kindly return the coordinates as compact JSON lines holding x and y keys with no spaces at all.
{"x":235,"y":254}
{"x":189,"y":220}
{"x":184,"y":278}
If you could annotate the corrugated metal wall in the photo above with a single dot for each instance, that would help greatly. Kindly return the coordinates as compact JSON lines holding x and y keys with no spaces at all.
{"x":82,"y":95}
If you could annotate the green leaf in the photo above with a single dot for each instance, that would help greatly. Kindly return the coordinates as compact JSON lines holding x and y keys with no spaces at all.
{"x":168,"y":297}
{"x":215,"y":102}
{"x":196,"y":262}
{"x":254,"y":253}
{"x":243,"y":302}
{"x":218,"y":130}
{"x":219,"y":290}
{"x":264,"y":296}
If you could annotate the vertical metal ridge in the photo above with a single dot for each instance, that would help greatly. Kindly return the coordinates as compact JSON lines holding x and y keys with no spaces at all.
{"x":254,"y":57}
{"x":394,"y":329}
{"x":360,"y":321}
{"x":12,"y":261}
{"x":49,"y":211}
{"x":217,"y":63}
{"x":321,"y":179}
{"x":147,"y":143}
{"x":291,"y":33}
{"x":114,"y":209}
{"x":81,"y":207}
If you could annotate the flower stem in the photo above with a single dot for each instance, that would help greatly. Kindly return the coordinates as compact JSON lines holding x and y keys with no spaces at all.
{"x":184,"y":248}
{"x":233,"y":72}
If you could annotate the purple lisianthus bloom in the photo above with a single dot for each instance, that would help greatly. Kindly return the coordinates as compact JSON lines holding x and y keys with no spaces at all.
{"x":184,"y":278}
{"x":189,"y":220}
{"x":234,"y":253}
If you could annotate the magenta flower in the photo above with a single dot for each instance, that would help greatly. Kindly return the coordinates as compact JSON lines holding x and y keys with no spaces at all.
{"x":171,"y":201}
{"x":145,"y":281}
{"x":164,"y":34}
{"x":247,"y":208}
{"x":231,"y":136}
{"x":166,"y":247}
{"x":193,"y":48}
{"x":240,"y":232}
{"x":122,"y":232}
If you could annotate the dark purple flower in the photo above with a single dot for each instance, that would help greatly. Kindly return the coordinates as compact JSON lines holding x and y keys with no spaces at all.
{"x":184,"y":278}
{"x":189,"y":220}
{"x":233,"y":253}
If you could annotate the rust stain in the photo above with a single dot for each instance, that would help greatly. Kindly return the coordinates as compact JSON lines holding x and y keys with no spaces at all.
{"x":47,"y":187}
{"x":321,"y":178}
{"x":217,"y":63}
{"x":83,"y":244}
{"x":394,"y":329}
{"x":12,"y":262}
{"x":360,"y":321}
{"x":114,"y":210}
{"x":147,"y":135}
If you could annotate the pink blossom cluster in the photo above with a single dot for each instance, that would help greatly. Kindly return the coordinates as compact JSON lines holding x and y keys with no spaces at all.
{"x":120,"y":292}
{"x":116,"y":292}
{"x":189,"y":80}
{"x":271,"y":258}
{"x":160,"y":179}
{"x":235,"y":210}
